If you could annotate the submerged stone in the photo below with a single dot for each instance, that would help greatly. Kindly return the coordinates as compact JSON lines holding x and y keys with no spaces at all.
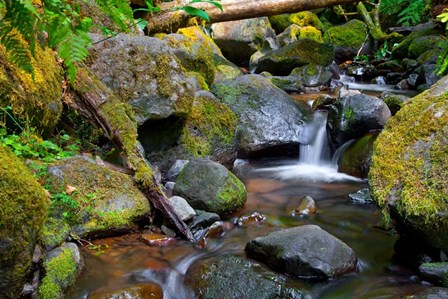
{"x":306,"y":251}
{"x":139,"y":291}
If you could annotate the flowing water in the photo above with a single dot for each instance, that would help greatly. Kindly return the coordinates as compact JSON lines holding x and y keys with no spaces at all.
{"x":274,"y":188}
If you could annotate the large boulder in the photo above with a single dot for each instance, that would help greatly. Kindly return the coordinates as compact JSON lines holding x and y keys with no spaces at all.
{"x":347,"y":39}
{"x":23,"y":208}
{"x":34,"y":101}
{"x":103,"y":201}
{"x":198,"y":53}
{"x":209,"y":186}
{"x":235,"y":277}
{"x":269,"y":120}
{"x":408,"y":175}
{"x":351,"y":117}
{"x":209,"y":131}
{"x":299,"y":53}
{"x":305,"y":251}
{"x":144,"y":72}
{"x":238,"y":40}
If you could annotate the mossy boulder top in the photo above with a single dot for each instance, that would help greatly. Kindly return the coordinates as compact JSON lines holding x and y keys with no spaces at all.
{"x":144,"y":72}
{"x":36,"y":102}
{"x":409,"y":173}
{"x":238,"y":40}
{"x":347,"y":39}
{"x":23,"y":208}
{"x":351,"y":117}
{"x":269,"y":121}
{"x":305,"y":251}
{"x":209,"y":131}
{"x":299,"y":53}
{"x":107,"y":200}
{"x":211,"y":187}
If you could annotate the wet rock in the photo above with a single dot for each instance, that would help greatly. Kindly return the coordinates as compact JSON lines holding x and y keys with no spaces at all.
{"x":313,"y":75}
{"x":361,"y":196}
{"x":144,"y":72}
{"x":409,"y":161}
{"x":306,"y":206}
{"x":160,"y":240}
{"x":356,"y":159}
{"x":419,"y":45}
{"x":62,"y":266}
{"x":269,"y":121}
{"x":168,"y":189}
{"x":254,"y":218}
{"x":23,"y":209}
{"x":287,"y":83}
{"x":323,"y":102}
{"x":238,"y":40}
{"x":302,"y":52}
{"x":289,"y":35}
{"x":431,"y":293}
{"x":305,"y":251}
{"x":237,"y":277}
{"x":394,"y":101}
{"x":181,"y":208}
{"x":435,"y":272}
{"x":106,"y":202}
{"x":139,"y":291}
{"x":428,"y":75}
{"x":203,"y":219}
{"x":175,"y":170}
{"x":209,"y":186}
{"x":347,"y":40}
{"x":353,"y":116}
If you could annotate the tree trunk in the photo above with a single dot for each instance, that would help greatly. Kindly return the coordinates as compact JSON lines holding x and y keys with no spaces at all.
{"x":98,"y":104}
{"x":169,"y":21}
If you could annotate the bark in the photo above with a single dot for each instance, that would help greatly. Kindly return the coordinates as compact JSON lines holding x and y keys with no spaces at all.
{"x":98,"y":105}
{"x":170,"y":21}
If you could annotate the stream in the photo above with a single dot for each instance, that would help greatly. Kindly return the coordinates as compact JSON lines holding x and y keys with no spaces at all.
{"x":274,"y":188}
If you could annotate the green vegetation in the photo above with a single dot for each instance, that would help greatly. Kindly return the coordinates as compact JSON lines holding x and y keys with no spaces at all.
{"x":409,"y":12}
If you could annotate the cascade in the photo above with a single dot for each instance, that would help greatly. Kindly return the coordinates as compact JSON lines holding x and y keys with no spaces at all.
{"x":317,"y":152}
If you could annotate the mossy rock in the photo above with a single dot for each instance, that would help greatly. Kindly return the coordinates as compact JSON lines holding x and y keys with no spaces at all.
{"x":143,"y":72}
{"x":209,"y":186}
{"x":304,"y":51}
{"x":105,"y":201}
{"x":62,"y":267}
{"x":23,"y":208}
{"x":209,"y":131}
{"x":422,"y":44}
{"x":310,"y":32}
{"x":347,"y":39}
{"x":280,"y":22}
{"x":357,"y":157}
{"x":313,"y":75}
{"x":306,"y":18}
{"x":408,"y":174}
{"x":289,"y":35}
{"x":35,"y":102}
{"x":394,"y":101}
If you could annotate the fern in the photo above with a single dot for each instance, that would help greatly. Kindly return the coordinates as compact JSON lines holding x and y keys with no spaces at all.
{"x":409,"y":12}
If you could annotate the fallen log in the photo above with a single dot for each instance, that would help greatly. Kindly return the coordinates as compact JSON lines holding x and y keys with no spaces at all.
{"x":169,"y":21}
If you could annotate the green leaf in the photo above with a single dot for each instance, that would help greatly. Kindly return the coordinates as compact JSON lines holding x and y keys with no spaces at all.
{"x":196,"y":12}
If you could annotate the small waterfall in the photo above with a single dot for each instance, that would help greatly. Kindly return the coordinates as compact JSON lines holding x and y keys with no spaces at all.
{"x":317,"y":152}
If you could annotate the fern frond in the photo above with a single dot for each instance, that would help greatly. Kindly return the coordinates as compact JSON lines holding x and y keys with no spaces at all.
{"x":119,"y":11}
{"x":15,"y":47}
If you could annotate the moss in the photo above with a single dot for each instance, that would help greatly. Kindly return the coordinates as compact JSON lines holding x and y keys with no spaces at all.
{"x":306,"y":18}
{"x":210,"y":123}
{"x":422,"y":44}
{"x":23,"y":207}
{"x":233,"y":193}
{"x":280,"y":22}
{"x":35,"y":102}
{"x":357,"y":158}
{"x":54,"y":232}
{"x":351,"y":34}
{"x":409,"y":165}
{"x":310,"y":32}
{"x":61,"y":271}
{"x":394,"y":102}
{"x":200,"y":80}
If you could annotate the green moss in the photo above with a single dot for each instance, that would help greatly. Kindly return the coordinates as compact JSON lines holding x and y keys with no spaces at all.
{"x":23,"y":207}
{"x":306,"y":18}
{"x":348,"y":114}
{"x":409,"y":165}
{"x":54,"y":232}
{"x":394,"y":102}
{"x":351,"y":34}
{"x":35,"y":102}
{"x":310,"y":32}
{"x":61,"y":272}
{"x":233,"y":193}
{"x":202,"y":85}
{"x":356,"y":159}
{"x":210,"y":123}
{"x":280,"y":22}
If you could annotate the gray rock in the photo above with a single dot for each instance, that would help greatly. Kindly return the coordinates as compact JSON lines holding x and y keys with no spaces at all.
{"x":181,"y":208}
{"x":175,"y":170}
{"x":431,"y":293}
{"x":209,"y":186}
{"x":144,"y":72}
{"x":203,"y":219}
{"x":313,"y":75}
{"x":269,"y":121}
{"x":168,"y":188}
{"x":289,"y":35}
{"x":299,"y":53}
{"x":235,"y":277}
{"x":434,"y":272}
{"x":361,"y":196}
{"x":354,"y":116}
{"x":238,"y":40}
{"x":305,"y":251}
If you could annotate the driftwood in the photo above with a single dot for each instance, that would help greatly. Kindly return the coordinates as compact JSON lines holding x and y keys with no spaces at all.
{"x":169,"y":21}
{"x":101,"y":107}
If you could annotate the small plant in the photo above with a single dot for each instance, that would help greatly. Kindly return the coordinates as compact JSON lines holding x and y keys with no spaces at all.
{"x":442,"y":61}
{"x":66,"y":205}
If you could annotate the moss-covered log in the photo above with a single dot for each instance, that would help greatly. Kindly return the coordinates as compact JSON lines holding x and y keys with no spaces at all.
{"x":99,"y":105}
